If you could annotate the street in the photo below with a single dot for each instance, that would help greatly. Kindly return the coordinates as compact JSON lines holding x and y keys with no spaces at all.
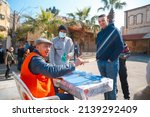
{"x":136,"y":65}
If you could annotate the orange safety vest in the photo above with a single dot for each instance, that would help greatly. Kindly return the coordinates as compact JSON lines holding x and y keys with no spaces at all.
{"x":39,"y":85}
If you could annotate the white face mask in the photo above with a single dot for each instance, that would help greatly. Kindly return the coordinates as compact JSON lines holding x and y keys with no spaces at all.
{"x":62,"y":35}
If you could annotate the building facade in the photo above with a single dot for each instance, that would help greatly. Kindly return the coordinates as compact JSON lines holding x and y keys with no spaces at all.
{"x":4,"y":17}
{"x":137,"y":29}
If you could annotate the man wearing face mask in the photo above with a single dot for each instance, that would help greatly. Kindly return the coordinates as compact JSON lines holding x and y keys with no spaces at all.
{"x":62,"y":49}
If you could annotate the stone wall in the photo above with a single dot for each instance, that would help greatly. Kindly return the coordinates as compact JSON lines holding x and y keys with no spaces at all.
{"x":137,"y":20}
{"x":139,"y":46}
{"x":85,"y":40}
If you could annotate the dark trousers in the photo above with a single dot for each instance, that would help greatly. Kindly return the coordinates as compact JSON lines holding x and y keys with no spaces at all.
{"x":8,"y":66}
{"x":1,"y":57}
{"x":63,"y":96}
{"x":76,"y":55}
{"x":123,"y":78}
{"x":20,"y":61}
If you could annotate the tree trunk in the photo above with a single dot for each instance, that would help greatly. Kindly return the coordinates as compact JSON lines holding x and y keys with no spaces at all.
{"x":111,"y":16}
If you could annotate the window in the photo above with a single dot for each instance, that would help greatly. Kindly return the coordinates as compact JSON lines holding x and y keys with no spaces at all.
{"x":148,"y":16}
{"x":139,"y":18}
{"x":131,"y":20}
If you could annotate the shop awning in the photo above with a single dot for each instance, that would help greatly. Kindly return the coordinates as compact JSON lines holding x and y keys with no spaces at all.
{"x":132,"y":37}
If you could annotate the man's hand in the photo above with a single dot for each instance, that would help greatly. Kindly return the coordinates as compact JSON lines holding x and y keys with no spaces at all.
{"x":69,"y":56}
{"x":78,"y":62}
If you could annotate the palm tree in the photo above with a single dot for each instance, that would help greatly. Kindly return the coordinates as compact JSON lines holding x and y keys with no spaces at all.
{"x":79,"y":18}
{"x":111,"y":5}
{"x":2,"y":36}
{"x":46,"y":22}
{"x":53,"y":10}
{"x":71,"y":15}
{"x":31,"y":23}
{"x":95,"y":27}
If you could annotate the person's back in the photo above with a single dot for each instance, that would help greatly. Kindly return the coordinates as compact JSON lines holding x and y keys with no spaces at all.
{"x":20,"y":52}
{"x":144,"y":94}
{"x":31,"y":48}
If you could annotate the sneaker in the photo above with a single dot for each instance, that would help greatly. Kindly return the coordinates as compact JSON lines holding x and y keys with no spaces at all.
{"x":127,"y":99}
{"x":7,"y":76}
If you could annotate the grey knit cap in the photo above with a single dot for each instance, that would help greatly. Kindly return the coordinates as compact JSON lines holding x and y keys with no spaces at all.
{"x":42,"y":40}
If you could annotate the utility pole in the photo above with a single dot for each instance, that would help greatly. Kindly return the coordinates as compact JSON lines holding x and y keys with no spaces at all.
{"x":13,"y":28}
{"x":14,"y":21}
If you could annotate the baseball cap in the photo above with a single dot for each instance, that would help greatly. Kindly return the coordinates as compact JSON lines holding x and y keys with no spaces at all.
{"x":42,"y":40}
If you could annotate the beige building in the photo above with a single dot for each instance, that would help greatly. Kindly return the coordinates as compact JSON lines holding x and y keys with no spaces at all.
{"x":4,"y":17}
{"x":137,"y":29}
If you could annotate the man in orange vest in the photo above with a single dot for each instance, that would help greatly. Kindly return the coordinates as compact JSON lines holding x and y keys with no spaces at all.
{"x":37,"y":74}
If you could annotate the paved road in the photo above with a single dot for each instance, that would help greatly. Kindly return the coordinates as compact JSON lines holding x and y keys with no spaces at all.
{"x":136,"y":77}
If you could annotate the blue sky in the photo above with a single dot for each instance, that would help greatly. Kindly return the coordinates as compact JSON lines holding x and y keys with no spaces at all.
{"x":66,"y":6}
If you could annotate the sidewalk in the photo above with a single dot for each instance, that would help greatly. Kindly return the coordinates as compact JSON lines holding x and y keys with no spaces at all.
{"x":136,"y":76}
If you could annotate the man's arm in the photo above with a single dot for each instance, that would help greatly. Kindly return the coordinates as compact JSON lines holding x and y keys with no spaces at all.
{"x":39,"y":66}
{"x":118,"y":47}
{"x":71,"y":53}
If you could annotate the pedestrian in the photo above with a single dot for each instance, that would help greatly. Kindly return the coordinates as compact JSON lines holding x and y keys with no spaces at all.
{"x":144,"y":93}
{"x":38,"y":75}
{"x":26,"y":45}
{"x":31,"y":47}
{"x":1,"y":54}
{"x":20,"y":54}
{"x":62,"y":49}
{"x":76,"y":50}
{"x":109,"y":46}
{"x":123,"y":72}
{"x":27,"y":52}
{"x":9,"y":60}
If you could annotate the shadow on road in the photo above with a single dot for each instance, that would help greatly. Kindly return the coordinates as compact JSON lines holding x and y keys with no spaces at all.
{"x":139,"y":58}
{"x":4,"y":79}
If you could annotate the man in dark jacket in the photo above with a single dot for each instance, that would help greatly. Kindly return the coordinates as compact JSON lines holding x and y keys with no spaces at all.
{"x":109,"y":46}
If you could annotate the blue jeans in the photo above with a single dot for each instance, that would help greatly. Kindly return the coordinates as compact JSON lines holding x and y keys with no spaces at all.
{"x":109,"y":70}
